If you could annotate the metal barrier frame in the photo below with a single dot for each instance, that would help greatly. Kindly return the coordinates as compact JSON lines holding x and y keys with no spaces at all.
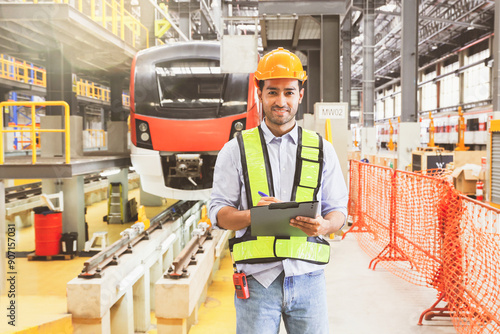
{"x":33,"y":129}
{"x":451,"y":266}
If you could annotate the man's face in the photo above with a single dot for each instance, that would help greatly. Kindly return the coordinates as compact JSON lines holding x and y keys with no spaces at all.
{"x":280,"y":100}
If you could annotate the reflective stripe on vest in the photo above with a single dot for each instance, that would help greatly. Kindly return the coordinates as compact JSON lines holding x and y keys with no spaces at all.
{"x":270,"y":249}
{"x":309,"y":166}
{"x":258,"y":177}
{"x":256,"y":168}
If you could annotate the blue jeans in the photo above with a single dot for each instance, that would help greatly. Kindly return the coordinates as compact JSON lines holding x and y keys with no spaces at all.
{"x":301,"y":300}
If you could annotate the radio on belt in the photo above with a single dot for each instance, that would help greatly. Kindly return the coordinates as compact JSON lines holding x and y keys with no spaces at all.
{"x":240,"y":282}
{"x":240,"y":285}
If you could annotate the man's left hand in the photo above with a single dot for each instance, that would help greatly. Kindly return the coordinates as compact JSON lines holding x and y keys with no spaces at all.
{"x":330,"y":223}
{"x":312,"y":226}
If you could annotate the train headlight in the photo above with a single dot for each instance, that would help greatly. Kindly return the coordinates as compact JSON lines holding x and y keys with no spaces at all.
{"x":143,"y":134}
{"x":238,"y":126}
{"x":143,"y":127}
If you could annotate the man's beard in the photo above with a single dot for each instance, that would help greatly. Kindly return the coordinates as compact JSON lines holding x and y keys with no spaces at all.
{"x":280,"y":120}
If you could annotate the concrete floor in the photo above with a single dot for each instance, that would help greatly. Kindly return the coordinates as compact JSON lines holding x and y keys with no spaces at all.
{"x":363,"y":301}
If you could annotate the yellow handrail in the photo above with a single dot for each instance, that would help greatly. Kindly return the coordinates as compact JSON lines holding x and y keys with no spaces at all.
{"x":33,"y":128}
{"x":90,"y":89}
{"x":18,"y":70}
{"x":118,"y":13}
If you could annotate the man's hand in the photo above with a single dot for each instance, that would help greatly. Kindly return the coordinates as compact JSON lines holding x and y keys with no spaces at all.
{"x":231,"y":218}
{"x":311,"y":226}
{"x":314,"y":227}
{"x":266,"y":200}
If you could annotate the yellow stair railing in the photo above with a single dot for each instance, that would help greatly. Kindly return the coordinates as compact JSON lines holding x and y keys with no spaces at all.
{"x":33,"y":129}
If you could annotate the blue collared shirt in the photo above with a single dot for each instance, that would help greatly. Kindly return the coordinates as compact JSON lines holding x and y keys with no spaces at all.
{"x":229,"y":190}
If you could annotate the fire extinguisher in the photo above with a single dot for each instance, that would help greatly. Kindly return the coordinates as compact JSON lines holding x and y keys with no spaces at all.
{"x":479,"y":190}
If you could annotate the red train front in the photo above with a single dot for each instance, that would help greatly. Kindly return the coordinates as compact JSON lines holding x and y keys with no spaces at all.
{"x":183,"y":110}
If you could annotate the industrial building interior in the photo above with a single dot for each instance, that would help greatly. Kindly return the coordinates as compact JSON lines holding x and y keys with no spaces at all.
{"x":103,"y":209}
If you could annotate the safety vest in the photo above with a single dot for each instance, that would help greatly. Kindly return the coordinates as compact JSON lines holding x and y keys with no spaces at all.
{"x":258,"y":177}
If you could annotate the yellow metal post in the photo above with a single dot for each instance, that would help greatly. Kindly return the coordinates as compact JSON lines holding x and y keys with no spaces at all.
{"x":113,"y":18}
{"x":33,"y":135}
{"x":1,"y":135}
{"x":67,"y":137}
{"x":103,"y":6}
{"x":461,"y":132}
{"x":25,"y":72}
{"x":92,"y":9}
{"x":328,"y":131}
{"x":122,"y":19}
{"x":391,"y":131}
{"x":431,"y":131}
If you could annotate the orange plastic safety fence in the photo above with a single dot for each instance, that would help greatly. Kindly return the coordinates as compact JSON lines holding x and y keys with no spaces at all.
{"x":472,"y":267}
{"x":421,"y":229}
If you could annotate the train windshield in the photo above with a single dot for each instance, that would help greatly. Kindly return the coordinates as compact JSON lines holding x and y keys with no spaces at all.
{"x":198,"y":86}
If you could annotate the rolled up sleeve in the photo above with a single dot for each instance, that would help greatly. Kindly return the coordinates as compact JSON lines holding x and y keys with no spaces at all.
{"x":227,"y":183}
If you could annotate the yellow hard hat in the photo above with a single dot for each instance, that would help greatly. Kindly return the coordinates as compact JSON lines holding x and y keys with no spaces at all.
{"x":280,"y":63}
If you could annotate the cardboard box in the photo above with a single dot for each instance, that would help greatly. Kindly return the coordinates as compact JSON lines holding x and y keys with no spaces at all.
{"x":468,"y":157}
{"x":466,"y":177}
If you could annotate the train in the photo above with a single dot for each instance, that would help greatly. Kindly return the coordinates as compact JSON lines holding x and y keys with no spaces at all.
{"x":445,"y":129}
{"x":183,"y":109}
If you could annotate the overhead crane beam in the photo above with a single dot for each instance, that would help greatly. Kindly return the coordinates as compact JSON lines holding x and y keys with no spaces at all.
{"x":439,"y":19}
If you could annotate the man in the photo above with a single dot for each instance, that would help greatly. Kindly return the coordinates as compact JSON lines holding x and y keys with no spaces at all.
{"x":286,"y":162}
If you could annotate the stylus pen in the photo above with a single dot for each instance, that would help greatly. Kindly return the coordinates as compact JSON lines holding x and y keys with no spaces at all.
{"x":262,"y":194}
